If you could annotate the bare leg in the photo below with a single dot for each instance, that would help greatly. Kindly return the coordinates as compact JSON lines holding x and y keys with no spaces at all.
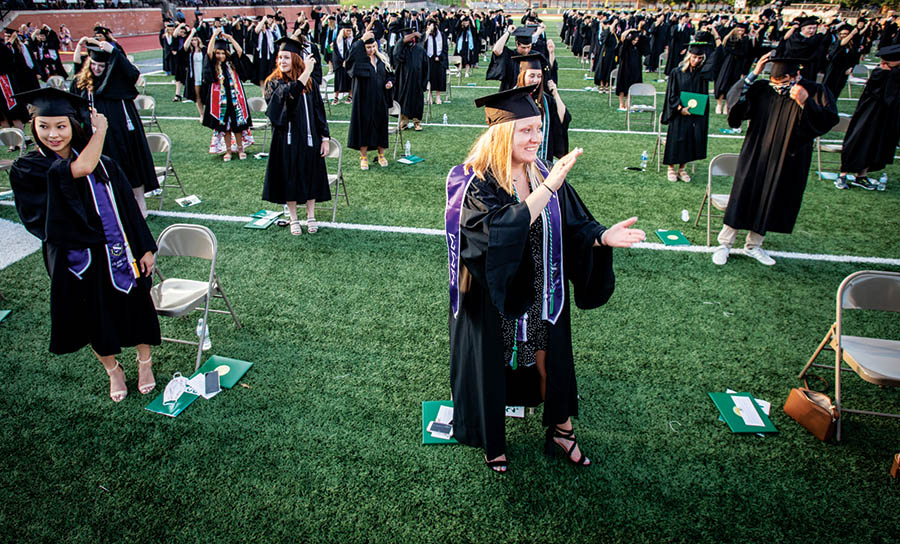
{"x":311,"y":209}
{"x":146,"y":380}
{"x":116,"y":377}
{"x":139,"y":197}
{"x":540,"y":357}
{"x":179,"y":89}
{"x":239,"y":138}
{"x":227,"y":156}
{"x":292,"y":209}
{"x":439,"y":97}
{"x":621,"y":101}
{"x":362,"y":152}
{"x":566,"y":444}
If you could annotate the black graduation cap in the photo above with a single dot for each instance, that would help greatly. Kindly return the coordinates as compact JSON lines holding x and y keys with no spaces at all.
{"x":409,"y":30}
{"x":10,"y":30}
{"x":98,"y":54}
{"x":535,"y":60}
{"x":523,"y":34}
{"x":745,"y":26}
{"x":223,"y":44}
{"x":100,"y":29}
{"x":290,"y":45}
{"x":804,"y":21}
{"x":889,"y":52}
{"x":509,"y":105}
{"x":169,"y":24}
{"x":697,"y":48}
{"x":53,"y":102}
{"x":345,"y":24}
{"x":845,"y":26}
{"x":782,"y":65}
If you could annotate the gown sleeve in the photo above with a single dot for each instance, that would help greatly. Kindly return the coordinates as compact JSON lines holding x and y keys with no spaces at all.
{"x":588,"y":267}
{"x":281,"y":97}
{"x":819,"y":114}
{"x":28,"y":178}
{"x":494,"y":236}
{"x":497,"y":67}
{"x":673,"y":99}
{"x":319,"y":113}
{"x":740,"y":100}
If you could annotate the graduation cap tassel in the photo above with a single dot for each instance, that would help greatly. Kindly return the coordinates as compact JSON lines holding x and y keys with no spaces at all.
{"x":514,"y":361}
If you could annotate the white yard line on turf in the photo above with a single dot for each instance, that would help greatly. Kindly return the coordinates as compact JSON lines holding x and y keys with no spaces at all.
{"x":437,"y":232}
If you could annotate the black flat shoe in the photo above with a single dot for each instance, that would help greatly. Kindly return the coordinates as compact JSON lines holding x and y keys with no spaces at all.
{"x":549,"y":449}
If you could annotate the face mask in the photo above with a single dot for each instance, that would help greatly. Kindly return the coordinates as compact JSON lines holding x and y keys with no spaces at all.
{"x":783,"y":89}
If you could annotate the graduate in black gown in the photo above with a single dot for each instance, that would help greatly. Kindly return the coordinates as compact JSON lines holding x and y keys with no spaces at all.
{"x":97,"y":248}
{"x":803,"y":41}
{"x":179,"y":60}
{"x":44,"y":44}
{"x":874,"y":131}
{"x":606,"y":61}
{"x":687,"y":133}
{"x":555,"y":117}
{"x":842,"y":56}
{"x":785,"y":113}
{"x":502,"y":68}
{"x":266,"y":32}
{"x":659,"y":35}
{"x":435,"y":44}
{"x":296,"y":169}
{"x":372,"y":82}
{"x":340,"y":51}
{"x":631,"y":48}
{"x":15,"y":77}
{"x":108,"y":81}
{"x":224,"y":103}
{"x":517,"y":234}
{"x":466,"y":44}
{"x":411,"y":66}
{"x":680,"y":33}
{"x":733,"y":54}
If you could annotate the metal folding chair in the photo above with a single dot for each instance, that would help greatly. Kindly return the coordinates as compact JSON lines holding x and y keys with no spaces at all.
{"x":642,"y":90}
{"x":454,"y":68}
{"x":176,"y":297}
{"x":336,"y":180}
{"x":144,"y":103}
{"x":10,"y":138}
{"x":875,"y":360}
{"x":612,"y":84}
{"x":395,"y":112}
{"x":841,"y":127}
{"x":57,"y":82}
{"x":858,"y":76}
{"x":720,"y":165}
{"x":257,"y":104}
{"x":161,"y":143}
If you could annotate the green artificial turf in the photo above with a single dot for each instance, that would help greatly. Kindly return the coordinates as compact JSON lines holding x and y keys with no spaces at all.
{"x":348,"y":333}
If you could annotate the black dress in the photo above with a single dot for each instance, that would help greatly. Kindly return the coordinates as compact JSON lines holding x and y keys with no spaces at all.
{"x":497,"y":282}
{"x":687,"y":135}
{"x":126,"y":142}
{"x":606,"y":61}
{"x":296,"y":171}
{"x":412,"y":78}
{"x":774,"y":162}
{"x":874,"y":131}
{"x":60,"y":210}
{"x":630,"y":63}
{"x":369,"y":113}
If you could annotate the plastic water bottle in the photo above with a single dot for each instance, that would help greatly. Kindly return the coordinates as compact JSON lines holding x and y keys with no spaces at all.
{"x":882,"y":181}
{"x":407,"y":148}
{"x":203,"y":329}
{"x":685,"y":216}
{"x":644,"y":159}
{"x":445,"y":118}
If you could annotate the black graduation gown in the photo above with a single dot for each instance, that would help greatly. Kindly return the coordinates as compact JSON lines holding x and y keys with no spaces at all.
{"x":8,"y":69}
{"x":630,"y":64}
{"x":369,"y":112}
{"x":339,"y":54}
{"x":193,"y":78}
{"x":608,"y":57}
{"x":503,"y":69}
{"x":777,"y":151}
{"x":263,"y":59}
{"x":48,"y":58}
{"x":812,"y":50}
{"x":412,"y":77}
{"x":558,"y":132}
{"x":231,"y":123}
{"x":874,"y":131}
{"x":295,"y":171}
{"x":840,"y":59}
{"x":114,"y":94}
{"x":437,"y":64}
{"x":466,"y":45}
{"x":60,"y":211}
{"x":658,"y":38}
{"x":179,"y":64}
{"x":165,"y":42}
{"x":687,"y":135}
{"x":678,"y":41}
{"x":733,"y":58}
{"x":496,"y":279}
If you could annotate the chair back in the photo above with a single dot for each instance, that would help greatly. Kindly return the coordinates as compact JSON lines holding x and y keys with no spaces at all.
{"x":870,"y":290}
{"x":395,"y":109}
{"x":159,"y":142}
{"x":860,"y":70}
{"x":257,"y":104}
{"x":843,"y":123}
{"x":642,"y":89}
{"x":57,"y":82}
{"x":454,"y":60}
{"x":13,"y":137}
{"x":586,"y":50}
{"x":184,"y":240}
{"x":145,"y":102}
{"x":334,"y":150}
{"x":614,"y":74}
{"x":723,"y":165}
{"x":141,"y":83}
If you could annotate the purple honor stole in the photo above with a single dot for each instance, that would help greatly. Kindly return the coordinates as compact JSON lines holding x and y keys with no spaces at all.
{"x":122,"y":267}
{"x":553,"y":296}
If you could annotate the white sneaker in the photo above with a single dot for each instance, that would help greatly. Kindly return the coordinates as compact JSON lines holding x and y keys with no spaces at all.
{"x":720,"y":255}
{"x":760,"y":255}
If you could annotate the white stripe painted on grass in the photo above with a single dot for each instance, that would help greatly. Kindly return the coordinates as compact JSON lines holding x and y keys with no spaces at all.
{"x":645,"y":245}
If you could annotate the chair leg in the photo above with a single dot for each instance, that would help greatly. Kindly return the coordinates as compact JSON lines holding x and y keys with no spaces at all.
{"x":700,"y":211}
{"x":816,"y":353}
{"x":221,"y":292}
{"x":838,"y":354}
{"x":344,"y":185}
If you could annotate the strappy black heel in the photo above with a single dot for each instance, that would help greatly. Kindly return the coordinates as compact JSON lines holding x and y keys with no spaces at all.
{"x":499,"y":465}
{"x":555,"y":432}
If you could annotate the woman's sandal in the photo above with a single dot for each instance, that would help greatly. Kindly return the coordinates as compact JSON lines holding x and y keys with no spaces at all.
{"x":227,"y":157}
{"x":672,"y":175}
{"x":295,"y":228}
{"x":497,"y":465}
{"x":382,"y":162}
{"x":363,"y":163}
{"x":119,"y":394}
{"x":242,"y":156}
{"x":311,"y":225}
{"x":554,"y":432}
{"x":147,"y":387}
{"x":683,"y":175}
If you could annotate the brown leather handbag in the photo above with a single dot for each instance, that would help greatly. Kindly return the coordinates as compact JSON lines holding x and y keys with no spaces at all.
{"x":813,"y":410}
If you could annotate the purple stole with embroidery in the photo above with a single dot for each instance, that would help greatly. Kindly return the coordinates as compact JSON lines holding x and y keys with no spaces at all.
{"x":121,"y":263}
{"x":553,"y":295}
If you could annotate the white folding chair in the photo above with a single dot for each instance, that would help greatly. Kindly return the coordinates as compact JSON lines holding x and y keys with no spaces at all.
{"x":336,"y":180}
{"x":858,"y":76}
{"x":612,"y":84}
{"x":146,"y":103}
{"x":161,"y":143}
{"x":327,"y":80}
{"x":640,"y":90}
{"x":394,"y":111}
{"x":10,"y":138}
{"x":875,"y":360}
{"x":141,"y":85}
{"x":841,"y":127}
{"x":585,"y":56}
{"x":57,"y":82}
{"x":176,"y":297}
{"x":720,"y":165}
{"x":454,"y":68}
{"x":257,"y":104}
{"x":661,"y":67}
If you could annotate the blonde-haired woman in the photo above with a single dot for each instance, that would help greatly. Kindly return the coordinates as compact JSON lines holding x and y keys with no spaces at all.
{"x":107,"y":80}
{"x":516,"y":233}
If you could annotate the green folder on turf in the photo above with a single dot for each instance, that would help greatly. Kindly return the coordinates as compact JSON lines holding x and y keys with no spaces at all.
{"x":742,"y":414}
{"x":410,"y":159}
{"x":429,"y":412}
{"x":171,"y":410}
{"x":262,"y":219}
{"x":230,"y":370}
{"x":672,"y":237}
{"x":3,"y":314}
{"x":694,"y":102}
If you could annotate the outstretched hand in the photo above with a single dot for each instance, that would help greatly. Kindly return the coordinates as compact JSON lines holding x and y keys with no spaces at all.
{"x":621,"y":235}
{"x":561,"y":169}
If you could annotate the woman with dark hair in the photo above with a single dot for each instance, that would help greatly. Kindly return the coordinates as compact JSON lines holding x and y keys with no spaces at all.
{"x":467,"y":44}
{"x":339,"y":53}
{"x":193,"y":79}
{"x":179,"y":60}
{"x":107,"y":80}
{"x":224,"y":104}
{"x":372,"y":81}
{"x":296,"y":168}
{"x":631,"y":48}
{"x":97,"y":248}
{"x":516,"y":235}
{"x":555,"y":117}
